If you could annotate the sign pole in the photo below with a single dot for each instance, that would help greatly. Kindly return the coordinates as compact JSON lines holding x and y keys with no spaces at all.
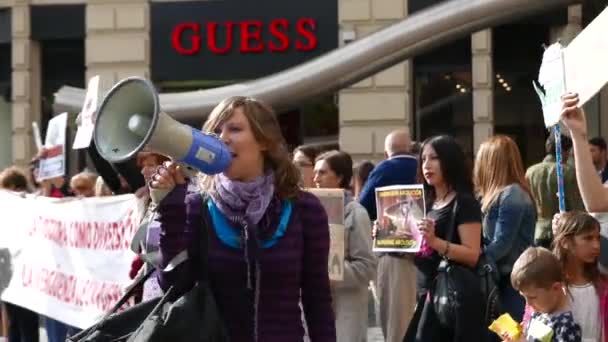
{"x":560,"y":170}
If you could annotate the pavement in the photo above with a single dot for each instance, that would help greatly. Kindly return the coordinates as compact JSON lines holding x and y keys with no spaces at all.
{"x":374,"y":334}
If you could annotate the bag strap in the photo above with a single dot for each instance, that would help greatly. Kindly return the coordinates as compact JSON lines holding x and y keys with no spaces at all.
{"x":204,"y":238}
{"x":452,"y":226}
{"x":130,"y":292}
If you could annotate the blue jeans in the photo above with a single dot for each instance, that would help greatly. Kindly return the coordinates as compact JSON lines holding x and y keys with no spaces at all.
{"x":57,"y":331}
{"x":512,"y":302}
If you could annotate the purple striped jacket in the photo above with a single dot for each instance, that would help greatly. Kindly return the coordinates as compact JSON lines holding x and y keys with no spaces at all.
{"x":294,"y":268}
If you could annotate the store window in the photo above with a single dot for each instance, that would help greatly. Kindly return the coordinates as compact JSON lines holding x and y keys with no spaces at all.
{"x":5,"y":90}
{"x":518,"y":50}
{"x":5,"y":107}
{"x":442,"y":93}
{"x":315,"y":121}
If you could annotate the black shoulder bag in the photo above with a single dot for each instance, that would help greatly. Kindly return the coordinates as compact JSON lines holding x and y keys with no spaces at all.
{"x":460,"y":291}
{"x":193,"y":316}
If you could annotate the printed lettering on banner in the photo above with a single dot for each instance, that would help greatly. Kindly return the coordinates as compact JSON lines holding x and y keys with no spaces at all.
{"x":70,"y":258}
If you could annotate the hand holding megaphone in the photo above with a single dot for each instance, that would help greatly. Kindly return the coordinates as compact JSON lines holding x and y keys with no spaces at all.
{"x":166,"y":177}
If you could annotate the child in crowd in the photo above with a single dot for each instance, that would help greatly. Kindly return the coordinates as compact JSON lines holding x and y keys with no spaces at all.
{"x":537,"y":275}
{"x":577,"y":247}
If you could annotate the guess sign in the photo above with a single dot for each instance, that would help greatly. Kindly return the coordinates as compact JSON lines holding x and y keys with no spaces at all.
{"x":250,"y":33}
{"x":236,"y":40}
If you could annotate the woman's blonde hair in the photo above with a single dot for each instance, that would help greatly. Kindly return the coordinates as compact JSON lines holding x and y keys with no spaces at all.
{"x":498,"y":164}
{"x":267,"y":132}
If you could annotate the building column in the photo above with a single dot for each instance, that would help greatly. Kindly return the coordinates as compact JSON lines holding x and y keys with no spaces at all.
{"x":483,"y":87}
{"x":117,"y":40}
{"x":25,"y":84}
{"x":372,"y":108}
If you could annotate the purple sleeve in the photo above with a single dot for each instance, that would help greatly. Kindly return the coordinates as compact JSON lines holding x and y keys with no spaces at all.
{"x":316,"y":294}
{"x":177,"y":233}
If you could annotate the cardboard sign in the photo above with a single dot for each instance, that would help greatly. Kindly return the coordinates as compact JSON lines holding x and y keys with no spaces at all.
{"x":578,"y":68}
{"x":585,"y":59}
{"x":333,"y":203}
{"x":87,"y":116}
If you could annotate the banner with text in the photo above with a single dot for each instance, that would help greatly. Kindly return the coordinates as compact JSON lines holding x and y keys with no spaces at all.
{"x":69,"y":258}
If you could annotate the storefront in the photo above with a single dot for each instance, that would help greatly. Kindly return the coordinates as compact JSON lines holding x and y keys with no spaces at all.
{"x":471,"y":88}
{"x":204,"y":44}
{"x":5,"y":89}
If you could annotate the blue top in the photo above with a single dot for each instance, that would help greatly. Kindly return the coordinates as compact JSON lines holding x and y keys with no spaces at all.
{"x":508,"y":227}
{"x":231,"y":236}
{"x":398,"y":170}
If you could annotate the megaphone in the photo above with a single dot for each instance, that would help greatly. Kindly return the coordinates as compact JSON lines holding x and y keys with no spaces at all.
{"x":130,"y":118}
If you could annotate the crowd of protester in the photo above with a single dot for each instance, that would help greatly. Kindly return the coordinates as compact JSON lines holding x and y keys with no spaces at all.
{"x":268,"y":238}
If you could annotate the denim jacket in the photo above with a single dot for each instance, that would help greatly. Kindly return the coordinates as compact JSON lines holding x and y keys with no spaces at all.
{"x":508,"y":227}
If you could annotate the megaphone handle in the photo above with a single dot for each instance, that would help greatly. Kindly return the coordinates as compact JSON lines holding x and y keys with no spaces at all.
{"x":157,"y":195}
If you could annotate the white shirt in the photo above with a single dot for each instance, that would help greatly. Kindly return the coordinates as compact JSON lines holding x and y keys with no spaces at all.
{"x":586,"y":311}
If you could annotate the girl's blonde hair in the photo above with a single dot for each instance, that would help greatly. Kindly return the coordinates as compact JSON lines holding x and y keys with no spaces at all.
{"x":498,"y":165}
{"x":267,"y":132}
{"x":570,"y":224}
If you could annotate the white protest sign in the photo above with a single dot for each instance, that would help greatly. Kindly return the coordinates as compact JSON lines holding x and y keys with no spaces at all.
{"x":551,"y":83}
{"x":52,"y":164}
{"x":86,"y":123}
{"x":70,"y":257}
{"x":578,"y":68}
{"x":585,"y":59}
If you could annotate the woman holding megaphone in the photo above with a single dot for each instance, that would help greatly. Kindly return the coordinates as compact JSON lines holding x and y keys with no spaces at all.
{"x":267,"y":240}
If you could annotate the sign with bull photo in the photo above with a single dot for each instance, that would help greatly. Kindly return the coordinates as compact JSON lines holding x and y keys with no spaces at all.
{"x":399,"y":208}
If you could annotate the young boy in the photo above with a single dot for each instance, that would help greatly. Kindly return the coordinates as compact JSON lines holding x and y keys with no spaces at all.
{"x":538,"y":276}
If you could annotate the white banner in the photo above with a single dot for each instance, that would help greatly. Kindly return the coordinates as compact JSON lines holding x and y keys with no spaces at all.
{"x":70,"y":257}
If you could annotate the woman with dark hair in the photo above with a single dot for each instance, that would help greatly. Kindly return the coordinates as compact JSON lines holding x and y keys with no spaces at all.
{"x":333,"y":169}
{"x":447,"y":179}
{"x":304,"y":158}
{"x":362,"y":171}
{"x":268,"y":241}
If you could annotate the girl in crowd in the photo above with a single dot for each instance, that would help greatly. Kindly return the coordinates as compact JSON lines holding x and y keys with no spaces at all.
{"x":362,"y":172}
{"x":304,"y":159}
{"x":447,"y":182}
{"x":509,"y":215}
{"x":577,"y":246}
{"x":334,"y":169}
{"x":268,"y":242}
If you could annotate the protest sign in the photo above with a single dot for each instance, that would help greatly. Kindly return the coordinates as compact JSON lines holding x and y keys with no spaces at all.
{"x":399,"y":208}
{"x":52,"y":163}
{"x":333,"y":202}
{"x":70,"y":258}
{"x":585,"y":59}
{"x":86,"y":122}
{"x":578,"y":68}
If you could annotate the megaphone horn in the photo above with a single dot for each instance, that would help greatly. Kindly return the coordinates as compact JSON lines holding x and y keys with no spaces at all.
{"x":129,"y":119}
